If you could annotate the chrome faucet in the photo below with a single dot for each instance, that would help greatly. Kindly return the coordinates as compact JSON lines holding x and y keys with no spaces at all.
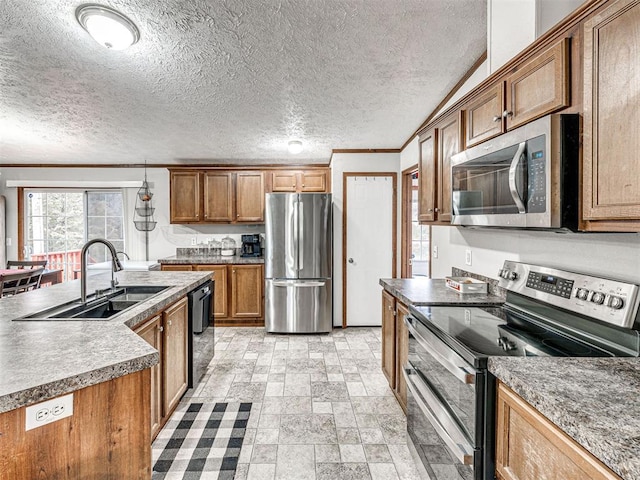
{"x":116,"y":266}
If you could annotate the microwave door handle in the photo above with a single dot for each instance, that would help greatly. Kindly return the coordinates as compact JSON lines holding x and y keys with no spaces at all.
{"x":513,"y":188}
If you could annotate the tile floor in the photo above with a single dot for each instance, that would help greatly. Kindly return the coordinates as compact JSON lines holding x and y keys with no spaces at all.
{"x":322,"y":409}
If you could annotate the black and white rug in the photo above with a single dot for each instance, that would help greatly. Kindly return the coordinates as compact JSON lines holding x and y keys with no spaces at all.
{"x":205,"y":443}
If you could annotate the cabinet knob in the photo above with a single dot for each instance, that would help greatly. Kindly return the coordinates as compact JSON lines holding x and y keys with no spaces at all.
{"x":293,"y":186}
{"x":497,"y":118}
{"x":430,"y":210}
{"x":507,"y":113}
{"x":389,"y":307}
{"x":160,"y":328}
{"x":303,"y":184}
{"x":169,"y":322}
{"x":237,"y":215}
{"x":435,"y":210}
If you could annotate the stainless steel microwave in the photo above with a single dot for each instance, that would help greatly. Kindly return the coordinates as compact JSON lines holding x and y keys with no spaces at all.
{"x":525,"y":178}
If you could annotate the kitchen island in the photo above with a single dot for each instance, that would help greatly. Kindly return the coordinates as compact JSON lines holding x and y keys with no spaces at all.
{"x":106,"y":366}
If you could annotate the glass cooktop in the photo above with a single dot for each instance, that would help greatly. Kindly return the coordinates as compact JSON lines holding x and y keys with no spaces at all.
{"x":480,"y":332}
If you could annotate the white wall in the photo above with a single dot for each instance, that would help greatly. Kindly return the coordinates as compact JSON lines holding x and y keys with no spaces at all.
{"x":355,"y":162}
{"x":410,"y":154}
{"x":608,"y":255}
{"x":510,"y":28}
{"x":550,"y":12}
{"x":162,"y":241}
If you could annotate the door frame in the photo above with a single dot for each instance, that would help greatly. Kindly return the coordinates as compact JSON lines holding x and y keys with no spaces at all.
{"x":394,"y":229}
{"x":405,"y":235}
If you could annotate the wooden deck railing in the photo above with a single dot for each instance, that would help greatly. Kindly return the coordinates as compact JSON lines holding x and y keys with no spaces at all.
{"x":68,"y":261}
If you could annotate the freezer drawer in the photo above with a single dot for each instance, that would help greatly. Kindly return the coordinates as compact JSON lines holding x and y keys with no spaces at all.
{"x":298,"y":306}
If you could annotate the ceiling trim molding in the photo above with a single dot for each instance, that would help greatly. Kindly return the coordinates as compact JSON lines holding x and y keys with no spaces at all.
{"x":365,"y":150}
{"x":270,"y":166}
{"x":73,"y":184}
{"x":448,"y":97}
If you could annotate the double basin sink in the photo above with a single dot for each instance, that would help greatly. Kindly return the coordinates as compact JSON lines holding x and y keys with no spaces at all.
{"x":100,"y":305}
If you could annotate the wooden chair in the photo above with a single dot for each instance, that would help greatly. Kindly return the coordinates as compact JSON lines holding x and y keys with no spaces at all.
{"x":14,"y":283}
{"x":26,"y":264}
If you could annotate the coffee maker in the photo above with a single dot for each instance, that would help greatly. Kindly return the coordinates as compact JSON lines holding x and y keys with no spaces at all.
{"x":251,"y":246}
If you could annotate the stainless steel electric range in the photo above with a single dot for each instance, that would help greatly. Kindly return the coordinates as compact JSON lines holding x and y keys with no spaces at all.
{"x":548,"y":312}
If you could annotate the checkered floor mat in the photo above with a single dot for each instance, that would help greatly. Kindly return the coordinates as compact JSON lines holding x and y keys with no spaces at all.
{"x":205,"y":443}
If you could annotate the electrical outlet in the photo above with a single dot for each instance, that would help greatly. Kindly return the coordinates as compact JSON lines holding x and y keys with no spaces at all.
{"x":194,"y":241}
{"x":435,"y":251}
{"x":49,"y":411}
{"x":467,"y":256}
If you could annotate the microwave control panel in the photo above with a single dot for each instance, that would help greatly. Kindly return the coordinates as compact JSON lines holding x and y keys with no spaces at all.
{"x":536,"y":173}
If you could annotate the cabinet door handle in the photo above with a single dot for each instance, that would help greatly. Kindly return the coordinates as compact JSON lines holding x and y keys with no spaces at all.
{"x":497,"y":118}
{"x":507,"y":113}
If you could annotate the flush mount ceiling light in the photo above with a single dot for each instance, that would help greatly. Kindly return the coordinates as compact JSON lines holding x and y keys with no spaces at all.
{"x":295,"y":146}
{"x":107,"y":26}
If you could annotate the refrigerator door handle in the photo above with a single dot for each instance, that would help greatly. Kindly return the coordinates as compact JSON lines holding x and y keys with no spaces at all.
{"x":298,"y":284}
{"x":292,"y":241}
{"x":300,"y":235}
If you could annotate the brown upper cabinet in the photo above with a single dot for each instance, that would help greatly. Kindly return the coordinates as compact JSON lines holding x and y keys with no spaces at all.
{"x":611,"y":170}
{"x":437,"y":146}
{"x":214,"y":196}
{"x":299,"y":181}
{"x":537,"y":88}
{"x":185,"y":197}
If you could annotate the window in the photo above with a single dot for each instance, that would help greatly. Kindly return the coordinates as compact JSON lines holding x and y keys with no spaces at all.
{"x":58,"y":223}
{"x":416,"y":238}
{"x":419,"y":236}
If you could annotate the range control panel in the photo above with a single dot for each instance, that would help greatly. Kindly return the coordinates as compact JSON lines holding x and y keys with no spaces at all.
{"x":603,"y":299}
{"x":550,"y":283}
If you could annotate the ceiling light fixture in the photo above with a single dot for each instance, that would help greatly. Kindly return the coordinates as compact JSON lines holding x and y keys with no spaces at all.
{"x":295,"y":146}
{"x":107,"y":26}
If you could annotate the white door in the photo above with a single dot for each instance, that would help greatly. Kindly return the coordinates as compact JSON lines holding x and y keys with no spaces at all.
{"x":369,"y":254}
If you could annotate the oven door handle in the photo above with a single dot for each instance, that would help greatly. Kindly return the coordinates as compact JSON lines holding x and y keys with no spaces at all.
{"x":427,"y":402}
{"x":432,"y":345}
{"x":513,"y":188}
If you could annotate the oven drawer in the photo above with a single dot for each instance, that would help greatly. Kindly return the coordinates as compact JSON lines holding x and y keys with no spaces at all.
{"x":457,"y":385}
{"x":424,"y":401}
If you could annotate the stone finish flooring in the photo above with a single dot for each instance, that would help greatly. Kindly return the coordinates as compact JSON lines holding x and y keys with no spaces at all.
{"x":322,"y":409}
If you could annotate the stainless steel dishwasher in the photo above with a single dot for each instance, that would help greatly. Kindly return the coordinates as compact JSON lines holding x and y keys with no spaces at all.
{"x":201,"y":331}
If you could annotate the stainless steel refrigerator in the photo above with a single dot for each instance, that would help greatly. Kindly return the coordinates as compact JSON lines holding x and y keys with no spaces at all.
{"x":298,"y":263}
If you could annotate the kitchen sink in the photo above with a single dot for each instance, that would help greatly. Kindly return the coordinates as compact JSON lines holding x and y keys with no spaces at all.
{"x":102,"y":305}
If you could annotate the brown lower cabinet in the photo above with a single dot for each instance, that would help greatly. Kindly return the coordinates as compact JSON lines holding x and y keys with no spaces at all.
{"x":238,"y":292}
{"x":530,"y":447}
{"x":106,"y":437}
{"x":395,"y":345}
{"x":167,"y":333}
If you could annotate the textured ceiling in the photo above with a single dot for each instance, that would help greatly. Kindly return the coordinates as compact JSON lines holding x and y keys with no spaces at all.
{"x":228,"y":81}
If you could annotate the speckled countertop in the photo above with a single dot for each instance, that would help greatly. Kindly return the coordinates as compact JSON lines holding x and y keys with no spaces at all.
{"x":43,"y":359}
{"x":596,"y":401}
{"x":213,"y":260}
{"x":433,"y":291}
